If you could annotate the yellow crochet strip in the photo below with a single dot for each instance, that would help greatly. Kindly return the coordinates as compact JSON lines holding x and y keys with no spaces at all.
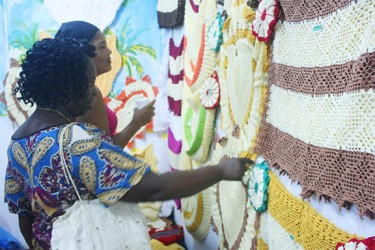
{"x":261,"y":245}
{"x":199,"y":214}
{"x":308,"y":227}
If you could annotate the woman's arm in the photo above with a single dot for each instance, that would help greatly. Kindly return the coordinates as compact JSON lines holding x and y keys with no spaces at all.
{"x":140,"y":118}
{"x":25,"y":225}
{"x":181,"y":184}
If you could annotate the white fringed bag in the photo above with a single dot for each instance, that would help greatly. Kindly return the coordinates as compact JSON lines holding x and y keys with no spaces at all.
{"x":88,"y":224}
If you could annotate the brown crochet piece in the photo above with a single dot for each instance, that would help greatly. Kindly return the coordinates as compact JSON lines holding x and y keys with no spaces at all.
{"x":298,"y":10}
{"x":346,"y":177}
{"x":350,"y":76}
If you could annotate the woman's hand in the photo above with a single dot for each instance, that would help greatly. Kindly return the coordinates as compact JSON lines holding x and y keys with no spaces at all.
{"x":234,"y":169}
{"x":144,"y":115}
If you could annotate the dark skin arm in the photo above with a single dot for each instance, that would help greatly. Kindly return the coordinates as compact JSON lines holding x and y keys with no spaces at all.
{"x":181,"y":184}
{"x":97,"y":116}
{"x":140,"y":118}
{"x":25,"y":225}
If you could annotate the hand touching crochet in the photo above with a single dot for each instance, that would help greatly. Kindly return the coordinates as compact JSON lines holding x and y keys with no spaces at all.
{"x":234,"y":169}
{"x":181,"y":184}
{"x":144,"y":115}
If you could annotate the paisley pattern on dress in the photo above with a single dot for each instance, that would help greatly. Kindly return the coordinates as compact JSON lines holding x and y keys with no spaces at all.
{"x":41,"y":149}
{"x":83,"y":146}
{"x":12,"y":186}
{"x":110,"y":177}
{"x":117,"y":159}
{"x":20,"y":155}
{"x":48,"y":180}
{"x":43,"y":190}
{"x":87,"y":172}
{"x":112,"y":196}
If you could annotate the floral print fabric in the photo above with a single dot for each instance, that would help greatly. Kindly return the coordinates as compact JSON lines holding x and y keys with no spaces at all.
{"x":35,"y":184}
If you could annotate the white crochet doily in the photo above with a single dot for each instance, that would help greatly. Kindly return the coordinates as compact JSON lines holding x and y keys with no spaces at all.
{"x":199,"y":59}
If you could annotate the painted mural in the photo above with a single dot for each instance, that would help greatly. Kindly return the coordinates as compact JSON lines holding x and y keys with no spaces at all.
{"x":133,"y":23}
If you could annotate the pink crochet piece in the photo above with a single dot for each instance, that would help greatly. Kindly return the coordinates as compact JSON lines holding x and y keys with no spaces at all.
{"x":112,"y":120}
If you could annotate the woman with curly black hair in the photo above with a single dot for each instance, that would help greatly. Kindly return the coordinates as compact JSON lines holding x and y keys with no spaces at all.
{"x":58,"y":76}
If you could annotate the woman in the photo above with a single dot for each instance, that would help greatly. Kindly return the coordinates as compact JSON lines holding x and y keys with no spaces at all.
{"x":100,"y":115}
{"x":58,"y":76}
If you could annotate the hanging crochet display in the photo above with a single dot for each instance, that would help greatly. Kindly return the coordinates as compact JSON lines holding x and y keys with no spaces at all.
{"x":319,"y":124}
{"x":242,"y":74}
{"x":123,"y":105}
{"x":198,"y":125}
{"x":170,"y":13}
{"x":196,"y":211}
{"x":175,"y":81}
{"x":291,"y":223}
{"x":232,"y":216}
{"x":199,"y":58}
{"x":18,"y":112}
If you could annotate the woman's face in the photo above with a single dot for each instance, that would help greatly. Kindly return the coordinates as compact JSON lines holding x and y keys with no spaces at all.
{"x":78,"y":107}
{"x":102,"y":59}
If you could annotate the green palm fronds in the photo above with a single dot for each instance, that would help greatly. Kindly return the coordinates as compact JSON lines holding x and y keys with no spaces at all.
{"x":24,"y":37}
{"x":129,"y":50}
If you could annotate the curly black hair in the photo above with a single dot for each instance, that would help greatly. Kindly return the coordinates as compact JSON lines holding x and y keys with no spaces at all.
{"x":54,"y":71}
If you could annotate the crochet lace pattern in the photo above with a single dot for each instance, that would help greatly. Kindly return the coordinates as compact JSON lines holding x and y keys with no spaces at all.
{"x":199,"y":58}
{"x":196,"y":211}
{"x":235,"y":224}
{"x":242,"y":74}
{"x":309,"y":229}
{"x":175,"y":77}
{"x":198,"y":124}
{"x":18,"y":112}
{"x":319,"y":123}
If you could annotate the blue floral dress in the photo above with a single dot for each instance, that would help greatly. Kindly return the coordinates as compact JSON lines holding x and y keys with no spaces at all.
{"x":35,"y":184}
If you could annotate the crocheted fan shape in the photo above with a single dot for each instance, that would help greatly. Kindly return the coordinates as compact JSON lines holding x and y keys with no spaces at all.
{"x":18,"y":112}
{"x":234,"y":223}
{"x":242,"y":75}
{"x":274,"y":236}
{"x":105,"y":81}
{"x":290,"y":216}
{"x":125,"y":103}
{"x":257,"y":188}
{"x":199,"y":58}
{"x":322,"y":134}
{"x":196,"y":211}
{"x":175,"y":81}
{"x":210,"y":92}
{"x":100,"y":12}
{"x":265,"y":19}
{"x":214,"y":35}
{"x":198,"y":124}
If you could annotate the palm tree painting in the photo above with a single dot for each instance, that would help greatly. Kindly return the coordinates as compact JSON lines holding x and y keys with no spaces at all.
{"x":130,"y":50}
{"x":24,"y":37}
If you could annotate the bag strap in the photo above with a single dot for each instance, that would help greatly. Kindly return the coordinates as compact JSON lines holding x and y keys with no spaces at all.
{"x":67,"y":174}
